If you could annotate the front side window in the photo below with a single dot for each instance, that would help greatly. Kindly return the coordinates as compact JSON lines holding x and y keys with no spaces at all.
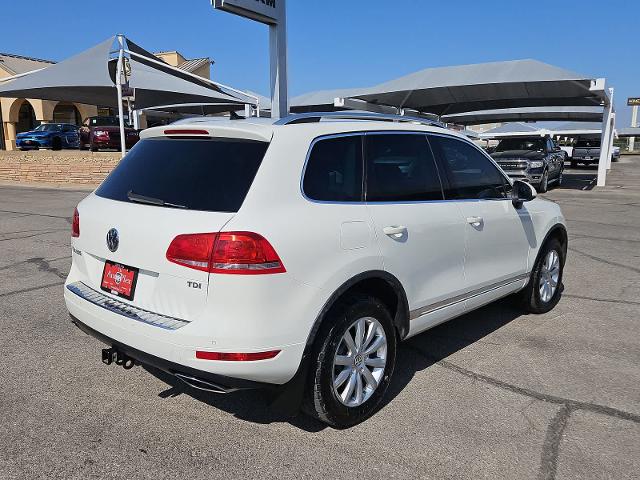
{"x":471,"y":175}
{"x":401,"y":167}
{"x":334,"y":170}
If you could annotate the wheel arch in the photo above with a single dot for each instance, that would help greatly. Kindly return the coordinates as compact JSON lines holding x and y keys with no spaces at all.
{"x":559,"y":232}
{"x":380,"y":284}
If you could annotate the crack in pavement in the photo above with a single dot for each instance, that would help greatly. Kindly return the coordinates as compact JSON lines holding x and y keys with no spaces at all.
{"x":29,"y":236}
{"x":22,"y":262}
{"x":581,"y":236}
{"x":556,"y":427}
{"x":30,"y":289}
{"x":608,"y":262}
{"x":607,"y":300}
{"x":27,"y":214}
{"x":551,"y":446}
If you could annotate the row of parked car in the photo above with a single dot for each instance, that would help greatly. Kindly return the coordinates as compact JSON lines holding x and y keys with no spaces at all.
{"x":540,"y":161}
{"x":97,"y":133}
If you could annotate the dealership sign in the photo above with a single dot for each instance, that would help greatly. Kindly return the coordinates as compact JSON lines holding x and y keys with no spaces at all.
{"x":265,"y":11}
{"x":272,"y":13}
{"x":633,"y":101}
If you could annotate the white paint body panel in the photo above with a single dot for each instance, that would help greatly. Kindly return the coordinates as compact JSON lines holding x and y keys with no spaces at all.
{"x":321,"y":245}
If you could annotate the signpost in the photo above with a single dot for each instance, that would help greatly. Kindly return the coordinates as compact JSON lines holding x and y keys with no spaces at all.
{"x":272,"y":13}
{"x":633,"y":102}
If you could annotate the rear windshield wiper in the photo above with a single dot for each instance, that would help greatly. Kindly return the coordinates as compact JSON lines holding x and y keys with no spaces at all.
{"x":135,"y":197}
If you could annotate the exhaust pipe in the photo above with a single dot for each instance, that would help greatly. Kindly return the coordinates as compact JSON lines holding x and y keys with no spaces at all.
{"x":201,"y":384}
{"x":111,"y":355}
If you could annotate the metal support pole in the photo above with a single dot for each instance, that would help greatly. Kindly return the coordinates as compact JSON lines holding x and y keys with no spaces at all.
{"x":634,"y":123}
{"x":612,"y":133}
{"x":123,"y":146}
{"x":605,"y":140}
{"x":278,"y":49}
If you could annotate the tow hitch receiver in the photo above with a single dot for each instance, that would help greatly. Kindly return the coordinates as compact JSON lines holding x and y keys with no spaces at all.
{"x":111,"y":355}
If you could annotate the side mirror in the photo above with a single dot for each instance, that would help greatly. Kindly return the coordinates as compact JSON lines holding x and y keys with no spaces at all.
{"x":522,"y":192}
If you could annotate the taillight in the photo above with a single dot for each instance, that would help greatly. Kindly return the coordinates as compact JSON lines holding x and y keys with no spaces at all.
{"x":240,"y":253}
{"x":237,"y":357}
{"x":192,"y":250}
{"x":244,"y":253}
{"x":75,"y":224}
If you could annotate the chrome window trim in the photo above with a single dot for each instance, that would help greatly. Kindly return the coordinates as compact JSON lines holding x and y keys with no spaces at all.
{"x":396,"y":202}
{"x":126,"y":310}
{"x":419,"y":312}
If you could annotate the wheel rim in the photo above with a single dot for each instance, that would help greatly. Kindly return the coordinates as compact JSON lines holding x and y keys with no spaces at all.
{"x":549,"y":276}
{"x":359,"y":362}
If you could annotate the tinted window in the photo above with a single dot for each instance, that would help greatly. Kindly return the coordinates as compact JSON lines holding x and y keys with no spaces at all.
{"x":334,"y":170}
{"x":588,"y":144}
{"x":470,"y":173}
{"x":401,"y":168}
{"x":212,"y":175}
{"x":535,"y":143}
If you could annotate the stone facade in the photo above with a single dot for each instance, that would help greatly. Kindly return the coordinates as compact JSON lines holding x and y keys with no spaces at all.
{"x":64,"y":167}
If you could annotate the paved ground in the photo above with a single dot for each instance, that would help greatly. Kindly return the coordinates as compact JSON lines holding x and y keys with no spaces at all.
{"x":494,"y":394}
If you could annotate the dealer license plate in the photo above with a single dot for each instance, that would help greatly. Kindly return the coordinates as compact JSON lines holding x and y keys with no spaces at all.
{"x":119,"y":280}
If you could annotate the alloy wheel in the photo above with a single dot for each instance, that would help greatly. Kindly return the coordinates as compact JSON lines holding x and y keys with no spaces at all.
{"x":549,"y":276}
{"x":359,"y":362}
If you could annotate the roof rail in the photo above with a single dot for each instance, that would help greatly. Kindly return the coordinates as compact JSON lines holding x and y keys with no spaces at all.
{"x":313,"y":117}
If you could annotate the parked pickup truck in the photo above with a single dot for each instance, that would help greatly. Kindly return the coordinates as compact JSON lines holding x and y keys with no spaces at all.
{"x":534,"y":159}
{"x":588,"y":152}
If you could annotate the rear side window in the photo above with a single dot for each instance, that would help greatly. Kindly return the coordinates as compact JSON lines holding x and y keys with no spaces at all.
{"x":401,"y":167}
{"x":334,"y":170}
{"x":196,"y":174}
{"x":471,"y":175}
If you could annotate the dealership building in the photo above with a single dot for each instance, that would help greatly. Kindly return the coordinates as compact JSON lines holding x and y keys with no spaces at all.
{"x":23,"y":114}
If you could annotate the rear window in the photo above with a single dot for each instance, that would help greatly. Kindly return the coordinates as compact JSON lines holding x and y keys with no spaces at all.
{"x":196,"y":174}
{"x":588,"y":144}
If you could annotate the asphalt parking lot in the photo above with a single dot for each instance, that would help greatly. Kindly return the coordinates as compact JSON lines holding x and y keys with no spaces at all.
{"x":493,"y":394}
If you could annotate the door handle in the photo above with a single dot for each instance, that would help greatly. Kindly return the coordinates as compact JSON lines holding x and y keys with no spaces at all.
{"x":395,"y":231}
{"x":475,"y":221}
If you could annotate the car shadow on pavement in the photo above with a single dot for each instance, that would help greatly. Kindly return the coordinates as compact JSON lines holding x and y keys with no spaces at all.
{"x":581,"y":177}
{"x":415,"y":355}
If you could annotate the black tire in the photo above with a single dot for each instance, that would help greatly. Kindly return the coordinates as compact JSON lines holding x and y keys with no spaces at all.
{"x":93,"y":148}
{"x":56,"y":144}
{"x":530,"y":298}
{"x":321,"y":401}
{"x":543,"y":186}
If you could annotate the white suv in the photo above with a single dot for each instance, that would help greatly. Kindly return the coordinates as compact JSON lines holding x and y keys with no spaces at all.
{"x":297,"y":254}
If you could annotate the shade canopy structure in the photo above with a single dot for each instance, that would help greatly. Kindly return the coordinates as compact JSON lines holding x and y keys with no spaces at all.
{"x":487,"y":86}
{"x":567,"y":129}
{"x":515,"y":129}
{"x":89,"y":77}
{"x":555,"y":113}
{"x":629,"y":132}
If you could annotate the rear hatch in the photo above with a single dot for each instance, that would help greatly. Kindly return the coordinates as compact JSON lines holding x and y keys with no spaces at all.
{"x":163,"y":188}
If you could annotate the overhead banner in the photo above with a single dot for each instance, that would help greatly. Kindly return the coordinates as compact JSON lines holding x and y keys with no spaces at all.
{"x":633,"y":102}
{"x":265,"y":11}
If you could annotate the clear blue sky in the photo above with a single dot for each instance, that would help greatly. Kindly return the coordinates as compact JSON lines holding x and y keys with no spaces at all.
{"x":349,"y":43}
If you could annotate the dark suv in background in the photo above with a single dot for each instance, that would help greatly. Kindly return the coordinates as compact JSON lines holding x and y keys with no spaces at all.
{"x":538,"y":160}
{"x":103,"y":132}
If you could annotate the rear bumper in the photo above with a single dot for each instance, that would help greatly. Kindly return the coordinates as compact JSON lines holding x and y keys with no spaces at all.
{"x":174,"y":350}
{"x":143,"y":358}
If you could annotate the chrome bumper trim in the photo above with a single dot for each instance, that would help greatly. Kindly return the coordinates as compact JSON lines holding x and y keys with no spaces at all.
{"x":124,"y":309}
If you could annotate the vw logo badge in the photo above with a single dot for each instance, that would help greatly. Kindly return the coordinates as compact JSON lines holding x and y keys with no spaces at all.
{"x":113,"y":240}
